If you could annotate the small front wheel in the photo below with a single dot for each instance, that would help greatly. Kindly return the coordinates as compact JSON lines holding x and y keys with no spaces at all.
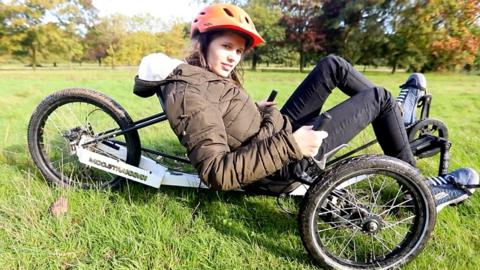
{"x":367,"y":212}
{"x":58,"y":124}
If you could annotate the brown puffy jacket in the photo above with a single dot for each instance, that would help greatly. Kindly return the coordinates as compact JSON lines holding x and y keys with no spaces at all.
{"x":229,"y":140}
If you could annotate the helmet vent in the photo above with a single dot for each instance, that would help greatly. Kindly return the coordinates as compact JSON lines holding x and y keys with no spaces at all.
{"x":202,"y":13}
{"x":229,"y":13}
{"x":195,"y":21}
{"x":246,"y":19}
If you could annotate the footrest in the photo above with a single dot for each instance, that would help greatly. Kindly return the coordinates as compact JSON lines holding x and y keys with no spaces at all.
{"x":426,"y":146}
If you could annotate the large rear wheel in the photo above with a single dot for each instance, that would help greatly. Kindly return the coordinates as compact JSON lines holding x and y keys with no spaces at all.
{"x":58,"y":124}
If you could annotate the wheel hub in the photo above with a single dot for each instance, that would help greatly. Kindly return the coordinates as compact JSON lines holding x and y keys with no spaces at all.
{"x":372,"y":225}
{"x":74,"y":134}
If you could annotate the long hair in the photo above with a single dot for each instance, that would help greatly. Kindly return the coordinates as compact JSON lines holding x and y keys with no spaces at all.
{"x":199,"y":49}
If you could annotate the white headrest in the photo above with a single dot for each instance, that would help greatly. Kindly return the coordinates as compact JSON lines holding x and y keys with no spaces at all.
{"x":156,"y":67}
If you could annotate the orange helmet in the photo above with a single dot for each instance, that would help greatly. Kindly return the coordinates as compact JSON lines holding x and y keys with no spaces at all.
{"x":225,"y":16}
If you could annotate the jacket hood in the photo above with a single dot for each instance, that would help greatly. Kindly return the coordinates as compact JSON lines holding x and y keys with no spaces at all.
{"x":194,"y":74}
{"x":157,"y":67}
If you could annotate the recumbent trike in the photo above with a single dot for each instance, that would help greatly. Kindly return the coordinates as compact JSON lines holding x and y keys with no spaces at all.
{"x":363,"y":212}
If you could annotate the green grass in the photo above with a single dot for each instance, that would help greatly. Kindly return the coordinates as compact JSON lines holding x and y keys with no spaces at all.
{"x":140,"y":227}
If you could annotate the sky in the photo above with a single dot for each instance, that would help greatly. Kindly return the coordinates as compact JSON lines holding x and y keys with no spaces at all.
{"x":168,"y":10}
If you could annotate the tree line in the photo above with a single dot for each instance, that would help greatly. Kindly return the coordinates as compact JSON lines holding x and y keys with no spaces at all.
{"x":419,"y":35}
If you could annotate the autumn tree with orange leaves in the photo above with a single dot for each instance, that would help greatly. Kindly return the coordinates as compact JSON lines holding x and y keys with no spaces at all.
{"x":455,"y":41}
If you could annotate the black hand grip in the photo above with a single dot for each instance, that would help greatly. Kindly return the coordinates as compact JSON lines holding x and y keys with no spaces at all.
{"x":322,"y":121}
{"x":272,"y":96}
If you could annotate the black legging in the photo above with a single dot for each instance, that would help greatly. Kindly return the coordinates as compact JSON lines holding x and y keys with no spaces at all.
{"x":367,"y":104}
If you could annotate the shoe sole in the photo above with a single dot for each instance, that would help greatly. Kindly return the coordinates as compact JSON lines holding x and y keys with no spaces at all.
{"x":475,"y":181}
{"x":456,"y":201}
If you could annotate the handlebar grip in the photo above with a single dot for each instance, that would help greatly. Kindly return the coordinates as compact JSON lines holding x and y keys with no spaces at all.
{"x":322,"y":121}
{"x":272,"y":96}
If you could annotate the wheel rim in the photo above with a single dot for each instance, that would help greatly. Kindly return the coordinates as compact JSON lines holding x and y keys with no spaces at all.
{"x":62,"y":126}
{"x":370,"y":219}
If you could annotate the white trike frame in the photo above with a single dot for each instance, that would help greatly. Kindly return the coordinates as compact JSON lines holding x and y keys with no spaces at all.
{"x":148,"y":172}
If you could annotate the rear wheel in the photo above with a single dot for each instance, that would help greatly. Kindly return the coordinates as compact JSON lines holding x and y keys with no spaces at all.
{"x":58,"y":124}
{"x":369,"y":212}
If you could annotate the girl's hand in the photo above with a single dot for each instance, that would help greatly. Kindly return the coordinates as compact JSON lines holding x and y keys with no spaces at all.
{"x":309,"y":140}
{"x":264,"y":104}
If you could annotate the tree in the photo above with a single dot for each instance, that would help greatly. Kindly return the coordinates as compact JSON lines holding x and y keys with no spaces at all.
{"x":299,"y":22}
{"x":431,"y":35}
{"x":125,"y":40}
{"x":4,"y":39}
{"x":29,"y":22}
{"x":476,"y":63}
{"x":409,"y":33}
{"x":173,"y":42}
{"x":353,"y":29}
{"x":94,"y":47}
{"x":62,"y":44}
{"x":136,"y":45}
{"x":140,"y":43}
{"x":109,"y":36}
{"x":266,"y":15}
{"x":455,"y":42}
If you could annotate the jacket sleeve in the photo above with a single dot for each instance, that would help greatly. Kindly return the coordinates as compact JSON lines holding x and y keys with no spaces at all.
{"x":272,"y":122}
{"x":202,"y":132}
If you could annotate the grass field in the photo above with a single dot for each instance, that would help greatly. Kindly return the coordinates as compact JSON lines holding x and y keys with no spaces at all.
{"x":144,"y":228}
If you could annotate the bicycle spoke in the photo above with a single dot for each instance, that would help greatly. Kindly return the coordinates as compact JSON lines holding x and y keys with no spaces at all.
{"x":345,"y":245}
{"x":399,"y":222}
{"x":386,"y":212}
{"x":338,"y":222}
{"x":395,"y":231}
{"x":327,"y":229}
{"x":381,"y":241}
{"x":355,"y":203}
{"x":74,"y":114}
{"x":375,"y":199}
{"x":337,"y":209}
{"x":372,"y":245}
{"x":347,"y":221}
{"x":331,"y":238}
{"x":81,"y":118}
{"x":368,"y":221}
{"x":354,"y":251}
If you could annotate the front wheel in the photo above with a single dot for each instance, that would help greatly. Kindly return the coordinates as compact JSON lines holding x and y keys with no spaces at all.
{"x":58,"y":124}
{"x":367,"y":212}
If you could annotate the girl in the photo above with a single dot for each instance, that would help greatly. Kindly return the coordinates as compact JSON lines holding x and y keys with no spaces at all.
{"x":234,"y":142}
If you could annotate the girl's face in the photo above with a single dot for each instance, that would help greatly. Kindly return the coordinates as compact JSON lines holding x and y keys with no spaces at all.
{"x":225,"y":52}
